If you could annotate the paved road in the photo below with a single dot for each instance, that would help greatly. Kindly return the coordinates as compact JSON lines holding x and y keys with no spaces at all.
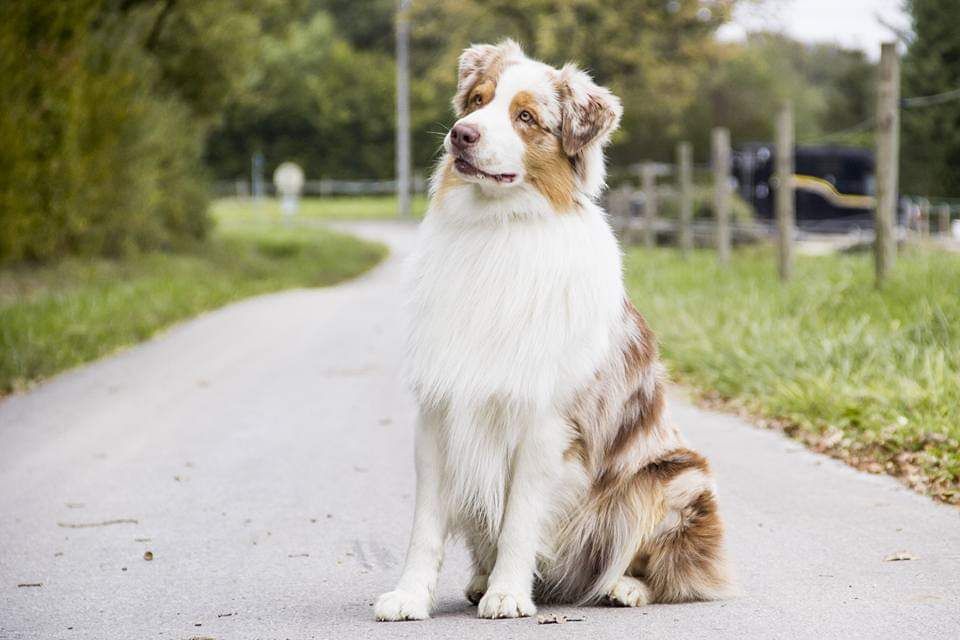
{"x":262,"y":453}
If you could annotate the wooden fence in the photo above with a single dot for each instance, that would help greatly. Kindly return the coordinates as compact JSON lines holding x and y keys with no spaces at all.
{"x":635,"y":214}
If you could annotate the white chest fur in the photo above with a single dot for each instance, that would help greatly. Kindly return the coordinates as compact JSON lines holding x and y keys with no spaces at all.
{"x":520,"y":311}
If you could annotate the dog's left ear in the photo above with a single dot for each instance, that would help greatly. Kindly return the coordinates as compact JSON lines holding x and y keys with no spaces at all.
{"x":589,"y":112}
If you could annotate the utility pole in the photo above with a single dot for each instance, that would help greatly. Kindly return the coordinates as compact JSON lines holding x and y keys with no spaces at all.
{"x":403,"y":107}
{"x":721,"y":191}
{"x":685,"y":189}
{"x":648,"y":174}
{"x":785,"y":202}
{"x":888,"y":160}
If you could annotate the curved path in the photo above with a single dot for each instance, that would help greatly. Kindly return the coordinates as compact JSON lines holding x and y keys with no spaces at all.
{"x":262,"y":454}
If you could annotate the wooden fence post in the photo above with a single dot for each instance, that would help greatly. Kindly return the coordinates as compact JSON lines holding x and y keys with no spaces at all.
{"x":721,"y":191}
{"x":888,"y":153}
{"x":649,"y":177}
{"x":943,"y":226}
{"x":785,"y":202}
{"x":685,"y":191}
{"x":618,"y":206}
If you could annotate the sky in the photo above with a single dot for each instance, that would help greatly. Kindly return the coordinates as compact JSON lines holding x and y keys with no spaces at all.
{"x":852,"y":23}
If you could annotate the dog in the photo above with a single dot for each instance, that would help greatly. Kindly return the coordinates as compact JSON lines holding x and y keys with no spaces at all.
{"x":543,"y":437}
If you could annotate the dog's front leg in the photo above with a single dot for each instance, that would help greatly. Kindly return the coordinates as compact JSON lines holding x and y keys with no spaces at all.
{"x":413,"y":597}
{"x":535,"y":471}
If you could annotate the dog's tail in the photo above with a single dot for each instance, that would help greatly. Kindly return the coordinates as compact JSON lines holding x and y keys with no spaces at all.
{"x":598,"y":544}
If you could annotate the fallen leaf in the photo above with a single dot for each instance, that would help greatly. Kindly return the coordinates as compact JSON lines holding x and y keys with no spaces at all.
{"x":900,"y":555}
{"x":556,"y":618}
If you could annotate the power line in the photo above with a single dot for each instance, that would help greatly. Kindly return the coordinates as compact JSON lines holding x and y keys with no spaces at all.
{"x":929,"y":101}
{"x":905,"y":103}
{"x":860,"y":127}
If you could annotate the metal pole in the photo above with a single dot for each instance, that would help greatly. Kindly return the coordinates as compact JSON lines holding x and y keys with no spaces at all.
{"x":403,"y":107}
{"x":721,"y":191}
{"x":888,"y":154}
{"x":785,"y":198}
{"x":685,"y":189}
{"x":649,"y":176}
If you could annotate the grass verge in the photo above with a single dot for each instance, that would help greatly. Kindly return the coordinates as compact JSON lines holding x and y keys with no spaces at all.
{"x":871,"y":377}
{"x":59,"y":316}
{"x":332,"y":208}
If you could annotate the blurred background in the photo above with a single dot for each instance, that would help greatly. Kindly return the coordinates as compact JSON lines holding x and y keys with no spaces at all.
{"x":142,"y":142}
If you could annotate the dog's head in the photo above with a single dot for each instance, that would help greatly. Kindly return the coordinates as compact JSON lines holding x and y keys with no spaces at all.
{"x":525,"y":123}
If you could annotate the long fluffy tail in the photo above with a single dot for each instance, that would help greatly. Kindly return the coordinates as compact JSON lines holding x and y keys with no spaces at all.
{"x":599,"y":543}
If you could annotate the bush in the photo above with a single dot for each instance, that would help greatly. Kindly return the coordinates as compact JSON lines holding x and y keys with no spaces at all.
{"x":95,"y":160}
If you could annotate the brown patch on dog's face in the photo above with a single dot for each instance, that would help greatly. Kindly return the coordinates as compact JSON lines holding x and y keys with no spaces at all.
{"x":481,"y":94}
{"x":547,"y":167}
{"x":481,"y":65}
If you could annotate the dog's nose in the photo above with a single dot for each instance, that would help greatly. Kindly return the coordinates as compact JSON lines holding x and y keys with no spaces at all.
{"x":464,"y":135}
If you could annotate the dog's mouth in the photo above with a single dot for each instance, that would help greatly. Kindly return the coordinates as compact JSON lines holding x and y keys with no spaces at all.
{"x":466,"y":168}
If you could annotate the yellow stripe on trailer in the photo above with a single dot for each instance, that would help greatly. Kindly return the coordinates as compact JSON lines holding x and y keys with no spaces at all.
{"x":829,"y":192}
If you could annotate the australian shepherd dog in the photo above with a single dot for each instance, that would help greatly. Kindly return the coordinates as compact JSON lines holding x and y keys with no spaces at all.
{"x":543,"y":437}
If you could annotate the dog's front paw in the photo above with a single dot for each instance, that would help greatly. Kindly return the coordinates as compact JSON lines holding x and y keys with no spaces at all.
{"x":502,"y":604}
{"x":402,"y":605}
{"x":476,"y":588}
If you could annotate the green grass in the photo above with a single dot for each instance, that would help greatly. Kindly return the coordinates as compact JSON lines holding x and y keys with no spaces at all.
{"x":872,"y":377}
{"x":55,"y":317}
{"x":333,"y":208}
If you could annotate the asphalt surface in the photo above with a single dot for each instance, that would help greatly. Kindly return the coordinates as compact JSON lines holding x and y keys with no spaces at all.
{"x":263,"y":454}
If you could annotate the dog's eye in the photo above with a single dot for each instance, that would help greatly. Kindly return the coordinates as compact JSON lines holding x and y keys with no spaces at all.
{"x":478,"y":99}
{"x":525,"y":116}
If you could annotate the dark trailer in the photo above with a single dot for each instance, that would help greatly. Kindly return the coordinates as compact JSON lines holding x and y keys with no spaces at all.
{"x":835,"y":186}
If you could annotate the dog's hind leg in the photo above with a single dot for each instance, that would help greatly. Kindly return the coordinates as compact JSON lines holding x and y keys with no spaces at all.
{"x":684,"y":560}
{"x":483,"y":552}
{"x":629,"y":592}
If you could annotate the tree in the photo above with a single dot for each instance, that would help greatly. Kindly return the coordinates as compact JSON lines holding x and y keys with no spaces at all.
{"x":313,"y":99}
{"x":650,"y":52}
{"x":930,"y":150}
{"x":104,"y":107}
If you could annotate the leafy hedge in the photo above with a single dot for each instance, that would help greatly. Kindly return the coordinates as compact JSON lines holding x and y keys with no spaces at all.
{"x":96,"y":159}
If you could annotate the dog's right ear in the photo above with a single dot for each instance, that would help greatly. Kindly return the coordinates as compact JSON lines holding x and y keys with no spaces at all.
{"x":477,"y":62}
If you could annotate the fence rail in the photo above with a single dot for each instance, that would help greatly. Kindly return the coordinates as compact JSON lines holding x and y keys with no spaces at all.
{"x":322,"y":187}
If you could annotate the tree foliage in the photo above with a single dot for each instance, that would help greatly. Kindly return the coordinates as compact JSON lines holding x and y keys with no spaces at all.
{"x":314,"y":99}
{"x":931,"y":135}
{"x":650,"y":52}
{"x":104,"y":107}
{"x":322,"y":93}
